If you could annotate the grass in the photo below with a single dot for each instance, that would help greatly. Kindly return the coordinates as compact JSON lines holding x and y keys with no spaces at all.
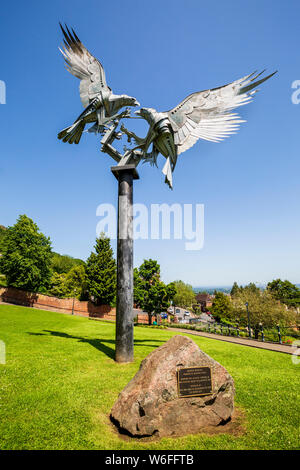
{"x":60,"y":382}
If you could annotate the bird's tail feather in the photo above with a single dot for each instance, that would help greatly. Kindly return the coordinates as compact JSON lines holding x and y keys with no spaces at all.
{"x":250,"y":84}
{"x":72,"y":134}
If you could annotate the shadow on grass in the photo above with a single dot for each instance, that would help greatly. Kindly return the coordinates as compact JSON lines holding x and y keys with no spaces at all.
{"x":98,"y":343}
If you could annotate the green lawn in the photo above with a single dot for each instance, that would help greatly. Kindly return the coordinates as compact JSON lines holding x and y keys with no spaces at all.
{"x":60,"y":382}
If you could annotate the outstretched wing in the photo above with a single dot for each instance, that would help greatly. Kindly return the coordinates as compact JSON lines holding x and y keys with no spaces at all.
{"x":84,"y":66}
{"x":206,"y":114}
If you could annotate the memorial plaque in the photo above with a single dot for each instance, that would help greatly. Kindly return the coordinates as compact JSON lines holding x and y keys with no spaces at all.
{"x":194,"y":381}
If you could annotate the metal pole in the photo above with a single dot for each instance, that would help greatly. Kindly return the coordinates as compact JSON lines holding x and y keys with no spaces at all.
{"x":279,"y":334}
{"x":74,"y":293}
{"x":124,"y":309}
{"x":262,"y":332}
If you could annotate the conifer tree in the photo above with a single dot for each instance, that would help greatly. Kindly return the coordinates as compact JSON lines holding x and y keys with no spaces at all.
{"x":235,"y":290}
{"x":101,"y":273}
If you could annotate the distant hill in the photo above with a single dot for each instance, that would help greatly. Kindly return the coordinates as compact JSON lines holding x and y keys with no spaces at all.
{"x":211,"y":290}
{"x":63,"y":263}
{"x":225,"y":289}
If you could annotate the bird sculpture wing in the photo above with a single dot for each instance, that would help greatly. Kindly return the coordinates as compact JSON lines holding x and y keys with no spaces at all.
{"x":83,"y":65}
{"x":207,"y":114}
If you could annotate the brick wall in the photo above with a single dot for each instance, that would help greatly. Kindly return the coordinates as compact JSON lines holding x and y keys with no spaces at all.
{"x":83,"y":308}
{"x":142,"y":318}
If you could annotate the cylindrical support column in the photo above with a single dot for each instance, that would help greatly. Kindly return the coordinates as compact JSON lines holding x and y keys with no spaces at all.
{"x":124,"y":307}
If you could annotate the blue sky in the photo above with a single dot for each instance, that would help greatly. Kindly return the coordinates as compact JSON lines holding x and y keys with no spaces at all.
{"x":159,"y":52}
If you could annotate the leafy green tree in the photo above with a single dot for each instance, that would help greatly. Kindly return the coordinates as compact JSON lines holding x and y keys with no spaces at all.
{"x":263,"y":309}
{"x":75,"y":281}
{"x":57,"y":286}
{"x":26,"y":256}
{"x":138,"y":292}
{"x":150,"y":293}
{"x":72,"y":284}
{"x":101,"y":273}
{"x":185,"y":296}
{"x":62,"y":264}
{"x":221,"y":307}
{"x":143,"y":277}
{"x":251,"y":288}
{"x":2,"y":236}
{"x":285,"y":291}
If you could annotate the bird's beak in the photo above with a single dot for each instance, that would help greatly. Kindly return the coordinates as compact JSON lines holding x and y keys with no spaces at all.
{"x":138,"y":112}
{"x":136,"y":103}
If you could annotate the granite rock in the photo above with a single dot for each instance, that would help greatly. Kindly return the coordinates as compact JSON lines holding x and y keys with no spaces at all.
{"x":149,"y":405}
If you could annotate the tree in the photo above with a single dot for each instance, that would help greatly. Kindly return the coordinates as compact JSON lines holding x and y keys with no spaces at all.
{"x":62,"y":264}
{"x":26,"y":256}
{"x":185,"y":296}
{"x":235,"y":289}
{"x":263,"y":309}
{"x":75,"y":282}
{"x":58,"y":285}
{"x":150,"y":293}
{"x":221,"y":307}
{"x":72,"y":284}
{"x":101,"y":273}
{"x":251,"y":288}
{"x":285,"y":291}
{"x":2,"y":236}
{"x":138,"y":292}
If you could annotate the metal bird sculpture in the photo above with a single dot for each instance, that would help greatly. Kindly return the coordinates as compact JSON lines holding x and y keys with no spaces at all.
{"x":101,"y":105}
{"x":202,"y":115}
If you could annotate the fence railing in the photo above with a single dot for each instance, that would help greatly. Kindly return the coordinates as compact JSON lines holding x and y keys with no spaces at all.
{"x":279,"y":334}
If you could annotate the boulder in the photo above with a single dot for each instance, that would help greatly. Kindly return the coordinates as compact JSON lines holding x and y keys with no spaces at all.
{"x":149,"y":404}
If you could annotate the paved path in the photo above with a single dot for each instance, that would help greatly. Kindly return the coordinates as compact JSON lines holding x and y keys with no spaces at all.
{"x":229,"y":339}
{"x":243,"y":341}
